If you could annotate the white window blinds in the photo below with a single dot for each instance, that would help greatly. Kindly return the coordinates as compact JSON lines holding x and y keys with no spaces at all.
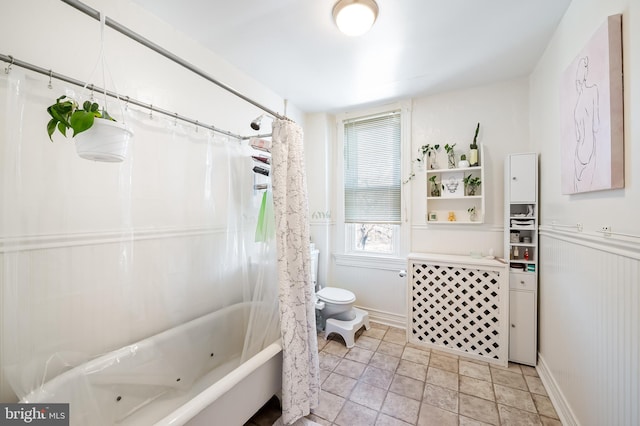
{"x":372,"y":169}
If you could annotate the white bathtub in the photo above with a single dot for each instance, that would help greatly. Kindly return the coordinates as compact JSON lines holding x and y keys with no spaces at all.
{"x":190,"y":374}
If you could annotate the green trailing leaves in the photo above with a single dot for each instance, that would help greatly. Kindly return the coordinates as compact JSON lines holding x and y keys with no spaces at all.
{"x":51,"y":127}
{"x":66,"y":114}
{"x":81,"y":121}
{"x":63,"y":129}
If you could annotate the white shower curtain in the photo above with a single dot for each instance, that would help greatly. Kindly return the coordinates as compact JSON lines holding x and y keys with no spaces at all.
{"x":97,"y":256}
{"x":300,"y":383}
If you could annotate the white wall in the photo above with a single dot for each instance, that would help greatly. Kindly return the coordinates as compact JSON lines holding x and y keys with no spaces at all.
{"x":595,"y":209}
{"x":55,"y":35}
{"x":502,"y":111}
{"x":319,"y":154}
{"x":106,"y":254}
{"x":588,"y":330}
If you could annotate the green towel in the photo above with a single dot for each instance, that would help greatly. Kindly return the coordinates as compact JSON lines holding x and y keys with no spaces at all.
{"x":265,"y":230}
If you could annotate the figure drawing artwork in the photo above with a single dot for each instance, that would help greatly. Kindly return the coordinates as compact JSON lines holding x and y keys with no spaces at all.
{"x":591,"y":108}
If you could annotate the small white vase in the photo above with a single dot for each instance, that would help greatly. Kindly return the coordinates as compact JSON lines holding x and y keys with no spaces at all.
{"x":105,"y":141}
{"x":463,"y":163}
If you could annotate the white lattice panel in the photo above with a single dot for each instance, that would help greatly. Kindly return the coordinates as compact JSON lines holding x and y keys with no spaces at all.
{"x":460,"y":307}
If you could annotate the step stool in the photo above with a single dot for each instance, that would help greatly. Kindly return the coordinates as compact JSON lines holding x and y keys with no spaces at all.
{"x":347,"y":329}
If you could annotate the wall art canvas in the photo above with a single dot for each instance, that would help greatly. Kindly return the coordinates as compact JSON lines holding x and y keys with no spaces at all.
{"x":591,"y":109}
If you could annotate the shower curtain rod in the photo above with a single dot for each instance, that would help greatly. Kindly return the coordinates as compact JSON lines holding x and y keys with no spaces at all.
{"x":22,"y":64}
{"x":167,"y":54}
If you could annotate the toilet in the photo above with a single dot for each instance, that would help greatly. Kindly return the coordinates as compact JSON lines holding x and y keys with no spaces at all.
{"x":335,"y":308}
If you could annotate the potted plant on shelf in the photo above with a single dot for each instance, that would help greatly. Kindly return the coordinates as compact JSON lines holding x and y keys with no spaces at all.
{"x":100,"y":140}
{"x":435,"y":188}
{"x":471,"y":184}
{"x":463,"y":161}
{"x":430,"y":152}
{"x":451,"y":157}
{"x":472,"y":213}
{"x":473,"y":154}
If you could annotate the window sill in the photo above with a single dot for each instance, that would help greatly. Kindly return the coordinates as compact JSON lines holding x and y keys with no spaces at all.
{"x":371,"y":261}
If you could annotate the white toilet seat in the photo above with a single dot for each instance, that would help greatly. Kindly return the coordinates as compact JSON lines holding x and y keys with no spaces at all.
{"x":338,"y":296}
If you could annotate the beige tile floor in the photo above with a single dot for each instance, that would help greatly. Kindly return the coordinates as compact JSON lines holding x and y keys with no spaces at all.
{"x":383,"y":381}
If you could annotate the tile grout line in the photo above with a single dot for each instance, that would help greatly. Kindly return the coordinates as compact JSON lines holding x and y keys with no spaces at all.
{"x":421,"y":401}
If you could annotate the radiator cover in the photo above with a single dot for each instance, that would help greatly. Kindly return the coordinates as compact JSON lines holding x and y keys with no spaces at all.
{"x":459,"y":304}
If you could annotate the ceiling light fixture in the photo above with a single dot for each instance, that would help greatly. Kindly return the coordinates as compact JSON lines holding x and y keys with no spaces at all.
{"x":355,"y":17}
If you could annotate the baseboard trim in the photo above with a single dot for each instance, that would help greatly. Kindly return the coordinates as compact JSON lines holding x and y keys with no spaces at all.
{"x":555,"y":394}
{"x":386,"y":318}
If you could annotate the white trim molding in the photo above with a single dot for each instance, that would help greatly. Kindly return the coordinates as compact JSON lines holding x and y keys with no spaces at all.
{"x":619,"y":245}
{"x":555,"y":394}
{"x":386,"y":318}
{"x":385,"y":263}
{"x":54,"y":241}
{"x":458,"y":227}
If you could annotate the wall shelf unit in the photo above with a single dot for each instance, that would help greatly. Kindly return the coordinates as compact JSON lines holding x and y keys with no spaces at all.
{"x":452,"y":196}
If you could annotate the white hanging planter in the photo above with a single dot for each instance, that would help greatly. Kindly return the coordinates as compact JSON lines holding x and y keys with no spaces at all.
{"x":105,"y":141}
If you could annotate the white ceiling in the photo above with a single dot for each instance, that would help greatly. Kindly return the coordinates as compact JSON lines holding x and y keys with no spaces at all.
{"x":416,"y":47}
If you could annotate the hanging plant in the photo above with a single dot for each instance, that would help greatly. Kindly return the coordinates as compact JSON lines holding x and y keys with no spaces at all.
{"x":99,"y":136}
{"x":66,"y":114}
{"x":107,"y":140}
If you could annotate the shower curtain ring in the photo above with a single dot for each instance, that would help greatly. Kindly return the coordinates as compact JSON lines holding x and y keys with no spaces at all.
{"x":91,"y":96}
{"x":175,"y":119}
{"x":197,"y":124}
{"x":151,"y":111}
{"x":7,"y":70}
{"x":126,"y":104}
{"x":50,"y":85}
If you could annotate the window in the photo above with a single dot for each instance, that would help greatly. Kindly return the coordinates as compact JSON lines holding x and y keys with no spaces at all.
{"x":372,"y":237}
{"x":372,"y":183}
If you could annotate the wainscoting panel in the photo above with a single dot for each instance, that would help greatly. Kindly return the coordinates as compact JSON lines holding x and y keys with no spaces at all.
{"x":589,"y":327}
{"x":65,"y":298}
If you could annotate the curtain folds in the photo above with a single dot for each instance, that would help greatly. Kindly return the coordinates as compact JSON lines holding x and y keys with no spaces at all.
{"x":301,"y":386}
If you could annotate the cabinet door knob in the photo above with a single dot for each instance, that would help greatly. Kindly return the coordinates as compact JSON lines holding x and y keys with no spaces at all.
{"x":513,"y":326}
{"x":522,"y":282}
{"x":514,"y":178}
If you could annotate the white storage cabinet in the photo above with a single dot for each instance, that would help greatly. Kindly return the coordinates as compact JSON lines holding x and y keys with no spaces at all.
{"x":521,"y":250}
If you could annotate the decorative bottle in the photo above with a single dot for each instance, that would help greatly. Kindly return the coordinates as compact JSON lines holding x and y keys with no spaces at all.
{"x":526,"y":254}
{"x":516,"y":253}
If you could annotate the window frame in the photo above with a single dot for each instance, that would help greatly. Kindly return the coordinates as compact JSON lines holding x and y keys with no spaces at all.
{"x":346,"y":253}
